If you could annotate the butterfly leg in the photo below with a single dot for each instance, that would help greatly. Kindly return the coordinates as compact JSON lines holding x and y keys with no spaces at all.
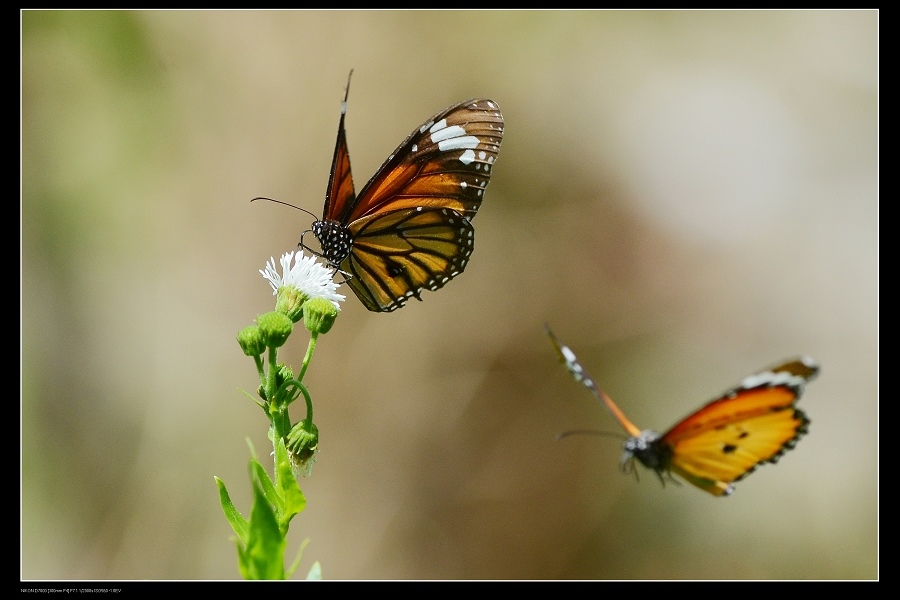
{"x":303,"y":246}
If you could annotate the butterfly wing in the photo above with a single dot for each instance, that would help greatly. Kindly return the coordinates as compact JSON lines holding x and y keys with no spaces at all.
{"x":751,"y":424}
{"x":444,"y":163}
{"x":398,"y":254}
{"x":568,"y":358}
{"x":340,"y":196}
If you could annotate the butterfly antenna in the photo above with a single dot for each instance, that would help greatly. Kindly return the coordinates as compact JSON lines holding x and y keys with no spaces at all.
{"x":571,"y":361}
{"x":286,"y":204}
{"x":300,"y":244}
{"x":596,"y":432}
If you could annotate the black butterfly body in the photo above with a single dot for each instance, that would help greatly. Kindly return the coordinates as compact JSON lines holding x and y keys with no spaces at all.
{"x":409,"y":228}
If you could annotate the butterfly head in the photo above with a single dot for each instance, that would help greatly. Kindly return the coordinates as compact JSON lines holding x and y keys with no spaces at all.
{"x":644,"y":448}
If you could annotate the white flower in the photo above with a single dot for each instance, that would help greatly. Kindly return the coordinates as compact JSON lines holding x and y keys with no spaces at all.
{"x":306,"y":275}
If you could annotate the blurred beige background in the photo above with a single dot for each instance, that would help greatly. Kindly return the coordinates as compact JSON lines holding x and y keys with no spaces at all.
{"x":686,"y":197}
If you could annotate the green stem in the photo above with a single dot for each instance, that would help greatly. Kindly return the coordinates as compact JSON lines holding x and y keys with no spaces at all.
{"x":281,"y":420}
{"x":306,"y":396}
{"x":310,"y":348}
{"x":272,"y":378}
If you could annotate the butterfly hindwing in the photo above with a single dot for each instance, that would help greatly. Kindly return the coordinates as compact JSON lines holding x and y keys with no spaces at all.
{"x":398,"y":254}
{"x":713,"y":462}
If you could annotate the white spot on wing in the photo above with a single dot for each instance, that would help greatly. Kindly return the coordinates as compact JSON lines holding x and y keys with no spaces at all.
{"x":447,"y":133}
{"x":770,"y":379}
{"x":458,"y":143}
{"x":809,"y":362}
{"x":467,"y":157}
{"x":436,"y":127}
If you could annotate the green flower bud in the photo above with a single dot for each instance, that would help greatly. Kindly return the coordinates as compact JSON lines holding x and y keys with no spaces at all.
{"x":251,"y":341}
{"x":302,"y":443}
{"x":319,"y":315}
{"x":275,"y":328}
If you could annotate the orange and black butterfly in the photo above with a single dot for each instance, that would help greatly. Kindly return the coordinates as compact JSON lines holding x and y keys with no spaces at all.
{"x":753,"y":423}
{"x":409,"y":229}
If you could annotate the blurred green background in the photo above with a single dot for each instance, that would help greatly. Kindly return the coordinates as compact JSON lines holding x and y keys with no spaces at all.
{"x":686,"y":197}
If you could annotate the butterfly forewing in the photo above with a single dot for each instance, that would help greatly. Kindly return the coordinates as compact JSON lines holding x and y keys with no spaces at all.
{"x":446,"y":163}
{"x":772,"y":390}
{"x":754,"y":423}
{"x":340,"y":195}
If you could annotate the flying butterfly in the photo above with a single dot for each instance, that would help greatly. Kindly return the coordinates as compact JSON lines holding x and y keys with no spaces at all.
{"x":724,"y":441}
{"x":409,"y":228}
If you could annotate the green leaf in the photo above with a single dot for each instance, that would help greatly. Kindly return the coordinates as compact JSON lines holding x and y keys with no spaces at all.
{"x":263,"y":556}
{"x":294,"y":500}
{"x":268,"y":488}
{"x":235,"y":518}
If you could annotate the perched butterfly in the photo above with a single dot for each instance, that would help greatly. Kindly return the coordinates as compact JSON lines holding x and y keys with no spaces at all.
{"x":751,"y":424}
{"x":409,"y":228}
